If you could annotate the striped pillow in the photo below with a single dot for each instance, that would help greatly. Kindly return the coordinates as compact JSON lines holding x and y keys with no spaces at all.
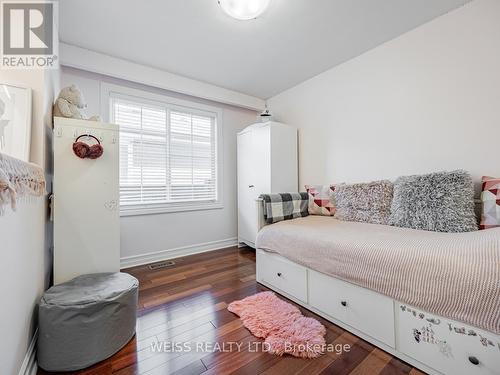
{"x":321,"y":199}
{"x":490,"y":197}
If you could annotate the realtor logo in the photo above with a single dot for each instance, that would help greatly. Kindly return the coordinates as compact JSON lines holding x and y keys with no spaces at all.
{"x":28,"y":34}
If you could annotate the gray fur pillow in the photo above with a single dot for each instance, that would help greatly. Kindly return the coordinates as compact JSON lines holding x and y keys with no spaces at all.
{"x":441,"y":202}
{"x":366,"y":202}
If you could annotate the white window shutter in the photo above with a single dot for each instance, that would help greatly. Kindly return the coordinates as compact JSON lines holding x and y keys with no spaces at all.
{"x":168,"y":154}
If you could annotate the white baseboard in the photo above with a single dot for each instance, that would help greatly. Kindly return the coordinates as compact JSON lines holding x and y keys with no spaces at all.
{"x":138,"y":260}
{"x":29,"y":365}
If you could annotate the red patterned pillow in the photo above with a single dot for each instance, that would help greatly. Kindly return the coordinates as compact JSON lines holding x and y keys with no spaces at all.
{"x":490,"y":197}
{"x":321,"y":199}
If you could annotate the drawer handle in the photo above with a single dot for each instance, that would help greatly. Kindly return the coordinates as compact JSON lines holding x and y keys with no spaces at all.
{"x":343,"y":303}
{"x":473,"y":360}
{"x":251,"y":186}
{"x":279,"y":274}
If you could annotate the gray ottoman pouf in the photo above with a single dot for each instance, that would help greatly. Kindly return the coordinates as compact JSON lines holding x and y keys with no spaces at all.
{"x":86,"y":320}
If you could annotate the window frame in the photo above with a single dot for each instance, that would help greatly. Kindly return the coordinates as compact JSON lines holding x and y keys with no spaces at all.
{"x":108,"y":90}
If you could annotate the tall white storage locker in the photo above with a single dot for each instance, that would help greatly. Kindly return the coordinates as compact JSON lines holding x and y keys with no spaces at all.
{"x":86,"y":201}
{"x":267,"y":163}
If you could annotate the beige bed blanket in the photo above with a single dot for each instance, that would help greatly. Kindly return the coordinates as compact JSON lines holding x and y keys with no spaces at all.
{"x":453,"y":275}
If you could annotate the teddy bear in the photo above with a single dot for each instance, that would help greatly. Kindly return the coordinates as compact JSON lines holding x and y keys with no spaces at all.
{"x":71,"y":104}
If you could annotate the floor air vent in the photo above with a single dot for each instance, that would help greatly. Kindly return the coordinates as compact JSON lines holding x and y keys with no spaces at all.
{"x":160,"y":265}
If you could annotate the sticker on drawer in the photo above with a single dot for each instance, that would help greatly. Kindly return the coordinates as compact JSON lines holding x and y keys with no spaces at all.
{"x":426,"y":333}
{"x":448,"y":346}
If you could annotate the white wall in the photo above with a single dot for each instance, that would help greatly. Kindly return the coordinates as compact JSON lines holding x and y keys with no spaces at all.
{"x":26,"y":237}
{"x":99,"y":63}
{"x":173,"y":232}
{"x":428,"y":100}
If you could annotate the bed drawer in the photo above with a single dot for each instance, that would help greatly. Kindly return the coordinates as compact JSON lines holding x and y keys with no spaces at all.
{"x":282,"y":274}
{"x":448,"y":346}
{"x":367,"y":311}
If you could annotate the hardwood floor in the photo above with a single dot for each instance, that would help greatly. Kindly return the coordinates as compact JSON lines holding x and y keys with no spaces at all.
{"x":187,"y":303}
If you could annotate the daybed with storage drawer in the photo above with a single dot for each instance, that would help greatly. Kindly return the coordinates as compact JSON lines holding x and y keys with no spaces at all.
{"x":431,"y":299}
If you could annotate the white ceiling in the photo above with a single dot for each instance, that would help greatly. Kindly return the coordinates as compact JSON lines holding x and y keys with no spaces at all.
{"x":293,"y":41}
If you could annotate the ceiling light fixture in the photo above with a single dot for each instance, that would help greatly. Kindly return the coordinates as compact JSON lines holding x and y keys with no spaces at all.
{"x":244,"y":9}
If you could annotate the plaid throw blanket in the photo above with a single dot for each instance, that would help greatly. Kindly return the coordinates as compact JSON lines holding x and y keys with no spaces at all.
{"x":284,"y":206}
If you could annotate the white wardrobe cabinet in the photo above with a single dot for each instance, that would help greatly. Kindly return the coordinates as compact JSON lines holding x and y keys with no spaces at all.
{"x":86,"y":201}
{"x":267,"y":163}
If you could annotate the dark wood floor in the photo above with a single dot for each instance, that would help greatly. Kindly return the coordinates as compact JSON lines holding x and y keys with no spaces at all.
{"x":188,"y":303}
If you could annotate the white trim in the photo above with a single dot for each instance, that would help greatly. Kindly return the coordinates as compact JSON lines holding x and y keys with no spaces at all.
{"x":138,"y":260}
{"x":91,"y":61}
{"x":29,"y":365}
{"x":146,"y":97}
{"x":151,"y":209}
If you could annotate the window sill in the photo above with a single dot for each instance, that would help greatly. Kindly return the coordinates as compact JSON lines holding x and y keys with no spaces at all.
{"x":168,"y":208}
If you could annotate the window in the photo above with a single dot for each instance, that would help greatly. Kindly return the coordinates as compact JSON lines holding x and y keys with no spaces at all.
{"x":168,"y":155}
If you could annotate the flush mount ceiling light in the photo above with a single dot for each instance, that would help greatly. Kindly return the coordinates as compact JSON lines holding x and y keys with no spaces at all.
{"x":244,"y":9}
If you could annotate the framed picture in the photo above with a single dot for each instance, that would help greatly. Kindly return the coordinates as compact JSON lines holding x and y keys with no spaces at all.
{"x":15,"y":121}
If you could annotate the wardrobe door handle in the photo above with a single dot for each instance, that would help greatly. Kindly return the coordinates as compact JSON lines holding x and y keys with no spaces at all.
{"x":343,"y":303}
{"x":473,"y":360}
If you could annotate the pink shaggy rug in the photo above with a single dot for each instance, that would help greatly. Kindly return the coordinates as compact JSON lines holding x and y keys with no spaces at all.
{"x":281,"y":324}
